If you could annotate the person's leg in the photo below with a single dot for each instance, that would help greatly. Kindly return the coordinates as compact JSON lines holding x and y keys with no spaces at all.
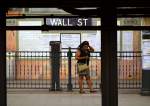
{"x":89,"y":82}
{"x":81,"y":84}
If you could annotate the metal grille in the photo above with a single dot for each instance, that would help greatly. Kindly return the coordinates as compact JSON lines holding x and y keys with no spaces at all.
{"x":32,"y":70}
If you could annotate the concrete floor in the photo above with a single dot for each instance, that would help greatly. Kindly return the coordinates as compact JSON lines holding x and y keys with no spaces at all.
{"x":46,"y":98}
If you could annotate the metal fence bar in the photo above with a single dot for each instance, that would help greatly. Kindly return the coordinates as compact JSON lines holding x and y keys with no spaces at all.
{"x":32,"y":70}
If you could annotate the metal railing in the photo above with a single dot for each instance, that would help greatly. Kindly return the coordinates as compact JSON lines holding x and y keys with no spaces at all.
{"x":32,"y":69}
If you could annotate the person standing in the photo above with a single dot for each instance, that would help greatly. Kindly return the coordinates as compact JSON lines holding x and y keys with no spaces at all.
{"x":83,"y":57}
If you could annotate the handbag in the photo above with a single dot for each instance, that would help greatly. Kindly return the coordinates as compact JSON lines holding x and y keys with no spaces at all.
{"x":82,"y":67}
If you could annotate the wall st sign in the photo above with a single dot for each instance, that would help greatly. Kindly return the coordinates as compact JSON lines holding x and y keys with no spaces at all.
{"x":68,"y":22}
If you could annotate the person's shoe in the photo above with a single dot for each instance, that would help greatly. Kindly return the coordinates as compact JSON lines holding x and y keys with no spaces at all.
{"x":81,"y":92}
{"x":92,"y":91}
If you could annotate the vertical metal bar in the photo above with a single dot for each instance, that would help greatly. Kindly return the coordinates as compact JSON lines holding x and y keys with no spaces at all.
{"x":3,"y":95}
{"x":118,"y":63}
{"x":127,"y":70}
{"x":64,"y":70}
{"x":31,"y":69}
{"x":19,"y":59}
{"x":91,"y":68}
{"x":35,"y":69}
{"x":9,"y":68}
{"x":141,"y":69}
{"x":47,"y":61}
{"x":126,"y":64}
{"x":23,"y":67}
{"x":39,"y":71}
{"x":69,"y":85}
{"x":61,"y":69}
{"x":109,"y":54}
{"x":18,"y":72}
{"x":137,"y":69}
{"x":75,"y":79}
{"x":120,"y":66}
{"x":124,"y":71}
{"x":42,"y":68}
{"x":16,"y":68}
{"x":29,"y":64}
{"x":100,"y":71}
{"x":124,"y":67}
{"x":96,"y":72}
{"x":134,"y":69}
{"x":13,"y":69}
{"x":9,"y":72}
{"x":131,"y":68}
{"x":27,"y":69}
{"x":44,"y":21}
{"x":23,"y":63}
{"x":49,"y":68}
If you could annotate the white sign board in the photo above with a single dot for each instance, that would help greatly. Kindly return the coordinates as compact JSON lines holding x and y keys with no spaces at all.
{"x":146,"y":62}
{"x":146,"y":54}
{"x":70,"y":40}
{"x":127,"y":37}
{"x":35,"y":40}
{"x":146,"y":47}
{"x":94,"y":39}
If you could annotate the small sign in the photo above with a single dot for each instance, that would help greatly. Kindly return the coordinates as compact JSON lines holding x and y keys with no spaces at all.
{"x":132,"y":21}
{"x":10,"y":22}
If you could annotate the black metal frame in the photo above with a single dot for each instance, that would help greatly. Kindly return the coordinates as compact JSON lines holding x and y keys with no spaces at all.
{"x":75,"y":3}
{"x":110,"y":94}
{"x":3,"y":58}
{"x":109,"y":55}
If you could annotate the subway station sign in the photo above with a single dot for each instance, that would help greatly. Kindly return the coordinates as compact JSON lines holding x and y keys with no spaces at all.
{"x":68,"y":22}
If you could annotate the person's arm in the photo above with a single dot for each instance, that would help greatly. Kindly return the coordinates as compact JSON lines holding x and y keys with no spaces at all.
{"x":77,"y":56}
{"x":91,"y":49}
